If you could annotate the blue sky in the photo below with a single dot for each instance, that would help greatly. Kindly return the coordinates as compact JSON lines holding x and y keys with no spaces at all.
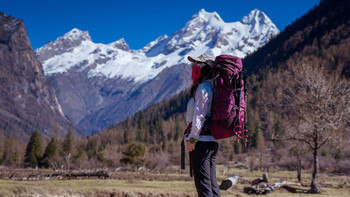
{"x":137,"y":21}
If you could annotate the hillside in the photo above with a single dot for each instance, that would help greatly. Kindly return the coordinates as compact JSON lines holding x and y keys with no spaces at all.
{"x":323,"y":27}
{"x":28,"y":102}
{"x":324,"y":39}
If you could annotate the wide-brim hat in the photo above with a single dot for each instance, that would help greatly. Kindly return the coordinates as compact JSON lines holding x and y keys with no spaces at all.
{"x":205,"y":58}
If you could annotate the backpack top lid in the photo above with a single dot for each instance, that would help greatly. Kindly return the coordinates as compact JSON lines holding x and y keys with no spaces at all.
{"x":229,"y":61}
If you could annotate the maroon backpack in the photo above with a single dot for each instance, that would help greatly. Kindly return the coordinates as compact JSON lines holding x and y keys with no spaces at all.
{"x":228,"y":113}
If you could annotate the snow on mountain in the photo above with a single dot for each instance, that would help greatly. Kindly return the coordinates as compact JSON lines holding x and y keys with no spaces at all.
{"x":76,"y":54}
{"x":203,"y":33}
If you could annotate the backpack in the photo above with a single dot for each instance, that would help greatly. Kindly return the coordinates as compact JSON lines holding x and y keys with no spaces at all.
{"x":228,"y":110}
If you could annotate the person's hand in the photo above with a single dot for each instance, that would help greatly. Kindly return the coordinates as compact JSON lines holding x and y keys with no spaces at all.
{"x":190,"y":146}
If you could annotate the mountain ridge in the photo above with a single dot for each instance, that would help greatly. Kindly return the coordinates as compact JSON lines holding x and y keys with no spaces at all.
{"x":106,"y":66}
{"x":203,"y":27}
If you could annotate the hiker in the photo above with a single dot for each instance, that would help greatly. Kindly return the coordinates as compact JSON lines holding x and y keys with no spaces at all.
{"x":200,"y":143}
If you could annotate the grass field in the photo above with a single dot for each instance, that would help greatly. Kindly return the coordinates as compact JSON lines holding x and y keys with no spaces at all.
{"x":150,"y":184}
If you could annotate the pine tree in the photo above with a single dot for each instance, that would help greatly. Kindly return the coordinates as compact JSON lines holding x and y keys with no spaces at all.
{"x":80,"y":158}
{"x":11,"y":150}
{"x":147,"y":136}
{"x":260,"y":146}
{"x":51,"y":151}
{"x":177,"y":133}
{"x":68,"y":148}
{"x":2,"y":146}
{"x":277,"y":130}
{"x":8,"y":149}
{"x":126,"y":136}
{"x":91,"y":148}
{"x":142,"y":121}
{"x":140,"y":135}
{"x":152,"y":133}
{"x":68,"y":143}
{"x":171,"y":148}
{"x":134,"y":155}
{"x":338,"y":155}
{"x":253,"y":126}
{"x":260,"y":140}
{"x":164,"y":145}
{"x":31,"y":159}
{"x":237,"y":147}
{"x":232,"y":155}
{"x":33,"y":151}
{"x":171,"y":134}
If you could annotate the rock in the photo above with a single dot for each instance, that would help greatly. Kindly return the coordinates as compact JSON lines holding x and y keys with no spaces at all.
{"x":28,"y":101}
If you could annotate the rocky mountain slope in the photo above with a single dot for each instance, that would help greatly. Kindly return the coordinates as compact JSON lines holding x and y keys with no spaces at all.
{"x":28,"y":102}
{"x":99,"y":85}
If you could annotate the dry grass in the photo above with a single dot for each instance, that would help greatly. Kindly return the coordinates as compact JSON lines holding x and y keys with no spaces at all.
{"x":331,"y":185}
{"x":149,"y":184}
{"x":95,"y":187}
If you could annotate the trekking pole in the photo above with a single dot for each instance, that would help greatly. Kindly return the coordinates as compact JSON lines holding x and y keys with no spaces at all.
{"x":239,"y":127}
{"x":245,"y":132}
{"x":183,"y":147}
{"x":183,"y":153}
{"x":245,"y":116}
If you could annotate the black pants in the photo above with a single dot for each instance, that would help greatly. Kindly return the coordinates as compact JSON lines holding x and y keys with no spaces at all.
{"x":203,"y":161}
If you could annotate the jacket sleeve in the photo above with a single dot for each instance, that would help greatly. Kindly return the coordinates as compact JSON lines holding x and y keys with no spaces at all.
{"x":190,"y":110}
{"x":201,"y":109}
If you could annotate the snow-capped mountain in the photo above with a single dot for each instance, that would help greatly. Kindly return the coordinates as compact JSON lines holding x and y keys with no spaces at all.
{"x":101,"y":84}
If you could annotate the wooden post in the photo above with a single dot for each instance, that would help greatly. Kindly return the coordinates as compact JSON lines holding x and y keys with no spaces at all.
{"x":265,"y":178}
{"x":229,"y":182}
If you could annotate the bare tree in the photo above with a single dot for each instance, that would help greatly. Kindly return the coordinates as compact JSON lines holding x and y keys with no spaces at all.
{"x":316,"y":103}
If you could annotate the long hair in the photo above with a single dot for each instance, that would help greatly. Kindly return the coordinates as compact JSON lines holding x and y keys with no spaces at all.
{"x":207,"y":73}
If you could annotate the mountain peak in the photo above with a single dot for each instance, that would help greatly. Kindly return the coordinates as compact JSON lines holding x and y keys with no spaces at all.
{"x":63,"y":44}
{"x":121,"y":44}
{"x":208,"y":16}
{"x":256,"y":16}
{"x":77,"y":34}
{"x":201,"y":20}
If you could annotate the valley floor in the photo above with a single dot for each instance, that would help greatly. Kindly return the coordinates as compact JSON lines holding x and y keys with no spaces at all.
{"x":161,"y":184}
